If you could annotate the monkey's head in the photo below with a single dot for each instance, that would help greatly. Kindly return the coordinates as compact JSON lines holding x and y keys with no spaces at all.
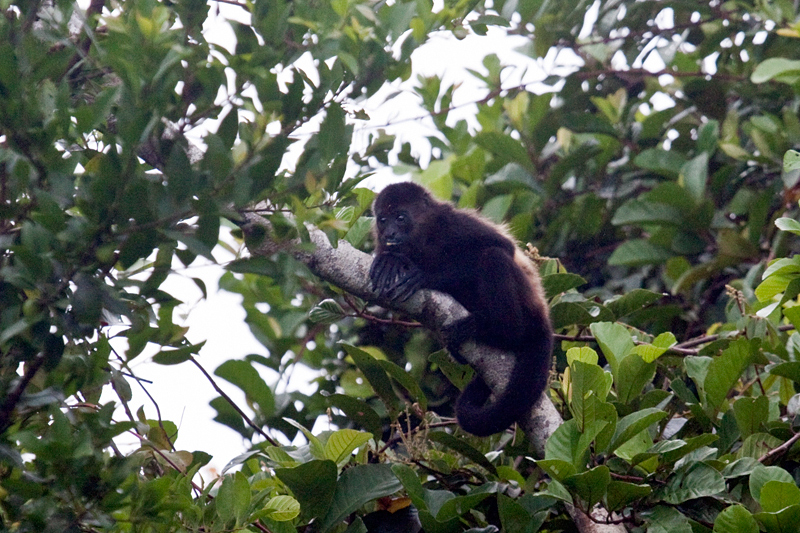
{"x":398,"y":210}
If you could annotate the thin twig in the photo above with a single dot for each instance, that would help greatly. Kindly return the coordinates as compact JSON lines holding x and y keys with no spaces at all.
{"x":233,"y":404}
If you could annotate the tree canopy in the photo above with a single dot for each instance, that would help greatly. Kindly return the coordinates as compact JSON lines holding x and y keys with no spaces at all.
{"x":653,"y":167}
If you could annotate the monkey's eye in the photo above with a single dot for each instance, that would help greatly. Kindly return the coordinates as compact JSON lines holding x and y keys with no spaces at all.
{"x":381,"y":220}
{"x":401,"y":218}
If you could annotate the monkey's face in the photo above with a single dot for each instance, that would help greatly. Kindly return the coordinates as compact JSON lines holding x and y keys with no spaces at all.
{"x":394,"y":228}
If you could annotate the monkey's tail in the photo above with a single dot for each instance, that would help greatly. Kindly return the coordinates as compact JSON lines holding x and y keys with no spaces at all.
{"x":481,"y":415}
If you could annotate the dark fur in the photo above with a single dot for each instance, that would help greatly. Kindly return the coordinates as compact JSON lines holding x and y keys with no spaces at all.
{"x":426,"y":244}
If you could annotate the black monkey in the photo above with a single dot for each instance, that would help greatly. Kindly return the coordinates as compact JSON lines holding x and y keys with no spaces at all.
{"x":426,"y":244}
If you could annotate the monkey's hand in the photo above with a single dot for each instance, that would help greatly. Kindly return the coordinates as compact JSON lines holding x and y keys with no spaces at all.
{"x":395,"y":277}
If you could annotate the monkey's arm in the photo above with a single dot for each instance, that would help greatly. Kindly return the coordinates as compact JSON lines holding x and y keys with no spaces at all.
{"x":395,"y":277}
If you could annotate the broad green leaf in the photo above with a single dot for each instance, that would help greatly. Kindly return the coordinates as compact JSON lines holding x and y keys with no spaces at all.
{"x":762,"y":475}
{"x":638,"y":211}
{"x":583,"y":354}
{"x":750,"y":413}
{"x":632,"y":301}
{"x":243,"y":375}
{"x":357,"y":486}
{"x":638,"y":252}
{"x":777,"y":495}
{"x":180,"y":355}
{"x":697,"y":481}
{"x":462,"y":446}
{"x":357,"y":411}
{"x":757,"y":444}
{"x":663,"y":519}
{"x":406,"y":381}
{"x":615,"y":342}
{"x":791,"y":161}
{"x":788,"y":224}
{"x":312,"y":483}
{"x":735,"y":519}
{"x":778,"y":68}
{"x":660,"y":345}
{"x":281,"y":508}
{"x":557,"y":469}
{"x":725,"y":370}
{"x":555,"y":284}
{"x":590,"y":486}
{"x":233,"y":498}
{"x":629,"y":426}
{"x":460,"y":505}
{"x":375,"y":374}
{"x":634,"y":373}
{"x":620,"y":494}
{"x":315,"y":446}
{"x":667,"y":163}
{"x":326,"y":312}
{"x":340,"y":444}
{"x":784,"y":521}
{"x":590,"y":385}
{"x":694,"y":175}
{"x":789,"y":370}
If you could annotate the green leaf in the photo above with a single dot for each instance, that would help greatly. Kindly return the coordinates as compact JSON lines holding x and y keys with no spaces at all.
{"x":638,"y":252}
{"x":375,"y":374}
{"x":557,"y":469}
{"x":784,"y":521}
{"x":233,"y":498}
{"x":735,"y":519}
{"x":777,"y":495}
{"x":583,"y":354}
{"x":590,"y":486}
{"x":590,"y":387}
{"x":663,"y":519}
{"x":638,"y":211}
{"x":175,"y":357}
{"x":750,"y":413}
{"x":629,"y":426}
{"x":281,"y":508}
{"x":762,"y":475}
{"x":791,"y":161}
{"x":660,"y":345}
{"x":615,"y":342}
{"x":555,"y":284}
{"x":697,"y":481}
{"x":462,"y":446}
{"x":634,"y":373}
{"x":693,"y":177}
{"x":667,"y":163}
{"x":631,"y":302}
{"x":787,"y":224}
{"x":357,"y":486}
{"x":725,"y":370}
{"x":454,"y":507}
{"x":243,"y":375}
{"x":777,"y":68}
{"x":313,"y":484}
{"x":341,"y":444}
{"x":406,"y":381}
{"x":327,"y":311}
{"x":620,"y":494}
{"x":358,"y":411}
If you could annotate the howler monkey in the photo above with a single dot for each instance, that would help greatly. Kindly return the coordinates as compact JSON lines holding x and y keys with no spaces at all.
{"x":426,"y":244}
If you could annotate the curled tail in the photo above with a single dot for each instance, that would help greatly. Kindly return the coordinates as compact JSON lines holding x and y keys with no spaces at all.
{"x":482,"y":416}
